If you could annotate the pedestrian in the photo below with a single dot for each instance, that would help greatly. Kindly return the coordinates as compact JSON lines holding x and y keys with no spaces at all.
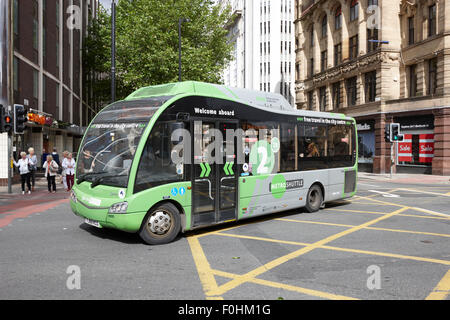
{"x":55,"y":156}
{"x":63,"y":173}
{"x":69,"y":170}
{"x":24,"y":171}
{"x":33,"y":166}
{"x":51,"y":169}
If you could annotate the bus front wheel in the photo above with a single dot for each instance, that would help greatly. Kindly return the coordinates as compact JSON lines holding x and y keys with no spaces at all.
{"x":314,"y":199}
{"x":161,"y":224}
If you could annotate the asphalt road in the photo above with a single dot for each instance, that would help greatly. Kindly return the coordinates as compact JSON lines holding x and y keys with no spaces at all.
{"x":391,"y":241}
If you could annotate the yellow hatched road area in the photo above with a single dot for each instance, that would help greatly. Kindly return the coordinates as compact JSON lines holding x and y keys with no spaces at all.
{"x":214,"y":291}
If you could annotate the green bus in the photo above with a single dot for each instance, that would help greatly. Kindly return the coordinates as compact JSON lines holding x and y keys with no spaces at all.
{"x":181,"y":156}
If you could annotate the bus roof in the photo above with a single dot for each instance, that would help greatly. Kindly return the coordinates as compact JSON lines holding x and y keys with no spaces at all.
{"x":262,"y":100}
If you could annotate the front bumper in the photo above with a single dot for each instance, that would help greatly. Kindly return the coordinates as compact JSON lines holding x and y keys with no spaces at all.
{"x":129,"y":222}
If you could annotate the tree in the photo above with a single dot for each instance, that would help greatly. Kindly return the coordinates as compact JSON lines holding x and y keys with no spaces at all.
{"x":147,"y":43}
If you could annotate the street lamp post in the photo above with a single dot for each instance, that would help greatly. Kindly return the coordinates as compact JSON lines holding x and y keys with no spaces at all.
{"x":113,"y":50}
{"x":180,"y":21}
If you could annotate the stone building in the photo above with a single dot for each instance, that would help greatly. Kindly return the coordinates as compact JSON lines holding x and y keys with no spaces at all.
{"x":42,"y":45}
{"x":380,"y":62}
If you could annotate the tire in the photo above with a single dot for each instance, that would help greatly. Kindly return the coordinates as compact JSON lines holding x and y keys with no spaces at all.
{"x":161,"y":225}
{"x":314,"y":199}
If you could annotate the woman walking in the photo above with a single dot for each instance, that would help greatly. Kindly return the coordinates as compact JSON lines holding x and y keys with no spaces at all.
{"x":68,"y":165}
{"x":24,"y":171}
{"x":51,"y":169}
{"x":33,"y":166}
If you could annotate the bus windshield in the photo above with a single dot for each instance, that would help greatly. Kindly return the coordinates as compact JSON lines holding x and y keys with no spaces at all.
{"x":111,"y":141}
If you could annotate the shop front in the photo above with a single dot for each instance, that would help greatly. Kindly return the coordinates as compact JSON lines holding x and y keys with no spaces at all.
{"x":366,"y":144}
{"x":415,"y":153}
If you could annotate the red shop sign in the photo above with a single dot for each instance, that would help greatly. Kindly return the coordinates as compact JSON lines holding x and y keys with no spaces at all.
{"x":426,"y":148}
{"x":405,"y":149}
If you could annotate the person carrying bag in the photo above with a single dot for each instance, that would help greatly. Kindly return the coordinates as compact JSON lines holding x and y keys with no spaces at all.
{"x":23,"y":165}
{"x":51,"y":169}
{"x":68,"y":165}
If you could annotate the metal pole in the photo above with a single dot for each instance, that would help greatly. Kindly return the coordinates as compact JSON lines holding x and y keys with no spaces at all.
{"x":10,"y":154}
{"x":180,"y":20}
{"x":113,"y":51}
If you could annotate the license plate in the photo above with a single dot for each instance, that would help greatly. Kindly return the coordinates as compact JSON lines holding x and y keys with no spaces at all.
{"x":93,"y":223}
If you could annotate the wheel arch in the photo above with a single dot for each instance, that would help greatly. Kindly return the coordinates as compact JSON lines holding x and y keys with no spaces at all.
{"x":322,"y":188}
{"x":175,"y":203}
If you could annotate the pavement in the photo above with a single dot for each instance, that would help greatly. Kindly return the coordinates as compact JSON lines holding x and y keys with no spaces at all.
{"x":390,"y":241}
{"x":406,"y":178}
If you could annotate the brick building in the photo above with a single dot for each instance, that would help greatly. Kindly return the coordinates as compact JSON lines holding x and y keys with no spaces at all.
{"x":380,"y":62}
{"x":45,"y":40}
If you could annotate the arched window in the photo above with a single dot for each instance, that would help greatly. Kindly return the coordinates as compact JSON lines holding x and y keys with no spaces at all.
{"x":324,"y":26}
{"x":354,"y":8}
{"x":338,"y":18}
{"x":311,"y":36}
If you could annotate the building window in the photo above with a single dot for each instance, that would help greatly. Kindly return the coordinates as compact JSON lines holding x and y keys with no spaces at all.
{"x":323,"y":60}
{"x":337,"y":54}
{"x":412,"y":80}
{"x":311,"y":67}
{"x":410,"y":30}
{"x":370,"y":86}
{"x":16,"y":17}
{"x":322,"y":98}
{"x":35,"y":26}
{"x":336,"y":95}
{"x":432,"y":20}
{"x":351,"y":91}
{"x":16,"y":74}
{"x":310,"y":100}
{"x":311,"y":36}
{"x":324,"y":26}
{"x":372,"y":39}
{"x":354,"y":8}
{"x":353,"y":47}
{"x":338,"y":19}
{"x":35,"y":84}
{"x":432,"y":76}
{"x":372,"y":3}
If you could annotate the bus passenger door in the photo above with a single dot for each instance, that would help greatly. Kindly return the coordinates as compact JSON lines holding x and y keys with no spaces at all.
{"x":204,"y":174}
{"x":214,"y":192}
{"x":227,"y":175}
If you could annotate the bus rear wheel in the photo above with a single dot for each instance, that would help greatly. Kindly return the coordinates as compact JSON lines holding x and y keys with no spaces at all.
{"x":161,"y":224}
{"x":314,"y":199}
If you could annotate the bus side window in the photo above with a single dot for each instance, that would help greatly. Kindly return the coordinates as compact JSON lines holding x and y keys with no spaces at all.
{"x":156,"y":166}
{"x":312,"y":147}
{"x":340,"y":146}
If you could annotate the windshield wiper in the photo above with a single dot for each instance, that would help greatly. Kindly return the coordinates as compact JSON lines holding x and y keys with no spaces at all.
{"x":82,"y":178}
{"x":98,"y":181}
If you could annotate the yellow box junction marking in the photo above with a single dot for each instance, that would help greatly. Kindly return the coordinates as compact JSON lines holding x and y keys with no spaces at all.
{"x":442,"y":289}
{"x":275,"y":263}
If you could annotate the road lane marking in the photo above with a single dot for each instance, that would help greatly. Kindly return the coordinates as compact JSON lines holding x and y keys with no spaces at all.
{"x":275,"y":263}
{"x":203,"y":268}
{"x":333,"y":248}
{"x":279,"y":285}
{"x":422,"y":191}
{"x":400,"y":215}
{"x":431,"y":212}
{"x":368,"y":228}
{"x":385,"y":194}
{"x":442,"y":289}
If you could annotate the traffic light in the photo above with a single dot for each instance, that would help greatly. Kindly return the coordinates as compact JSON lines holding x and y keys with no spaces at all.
{"x":6,"y":121}
{"x":19,"y":118}
{"x":395,"y":132}
{"x":387,"y":133}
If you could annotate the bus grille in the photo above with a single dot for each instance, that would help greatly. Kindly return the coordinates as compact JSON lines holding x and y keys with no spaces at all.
{"x":350,"y":181}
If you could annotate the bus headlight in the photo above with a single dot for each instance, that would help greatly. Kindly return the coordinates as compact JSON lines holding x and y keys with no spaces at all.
{"x":120,"y":207}
{"x":73,"y":196}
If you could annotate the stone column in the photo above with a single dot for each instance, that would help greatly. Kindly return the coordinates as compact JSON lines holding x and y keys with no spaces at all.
{"x":381,"y":161}
{"x":441,"y":160}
